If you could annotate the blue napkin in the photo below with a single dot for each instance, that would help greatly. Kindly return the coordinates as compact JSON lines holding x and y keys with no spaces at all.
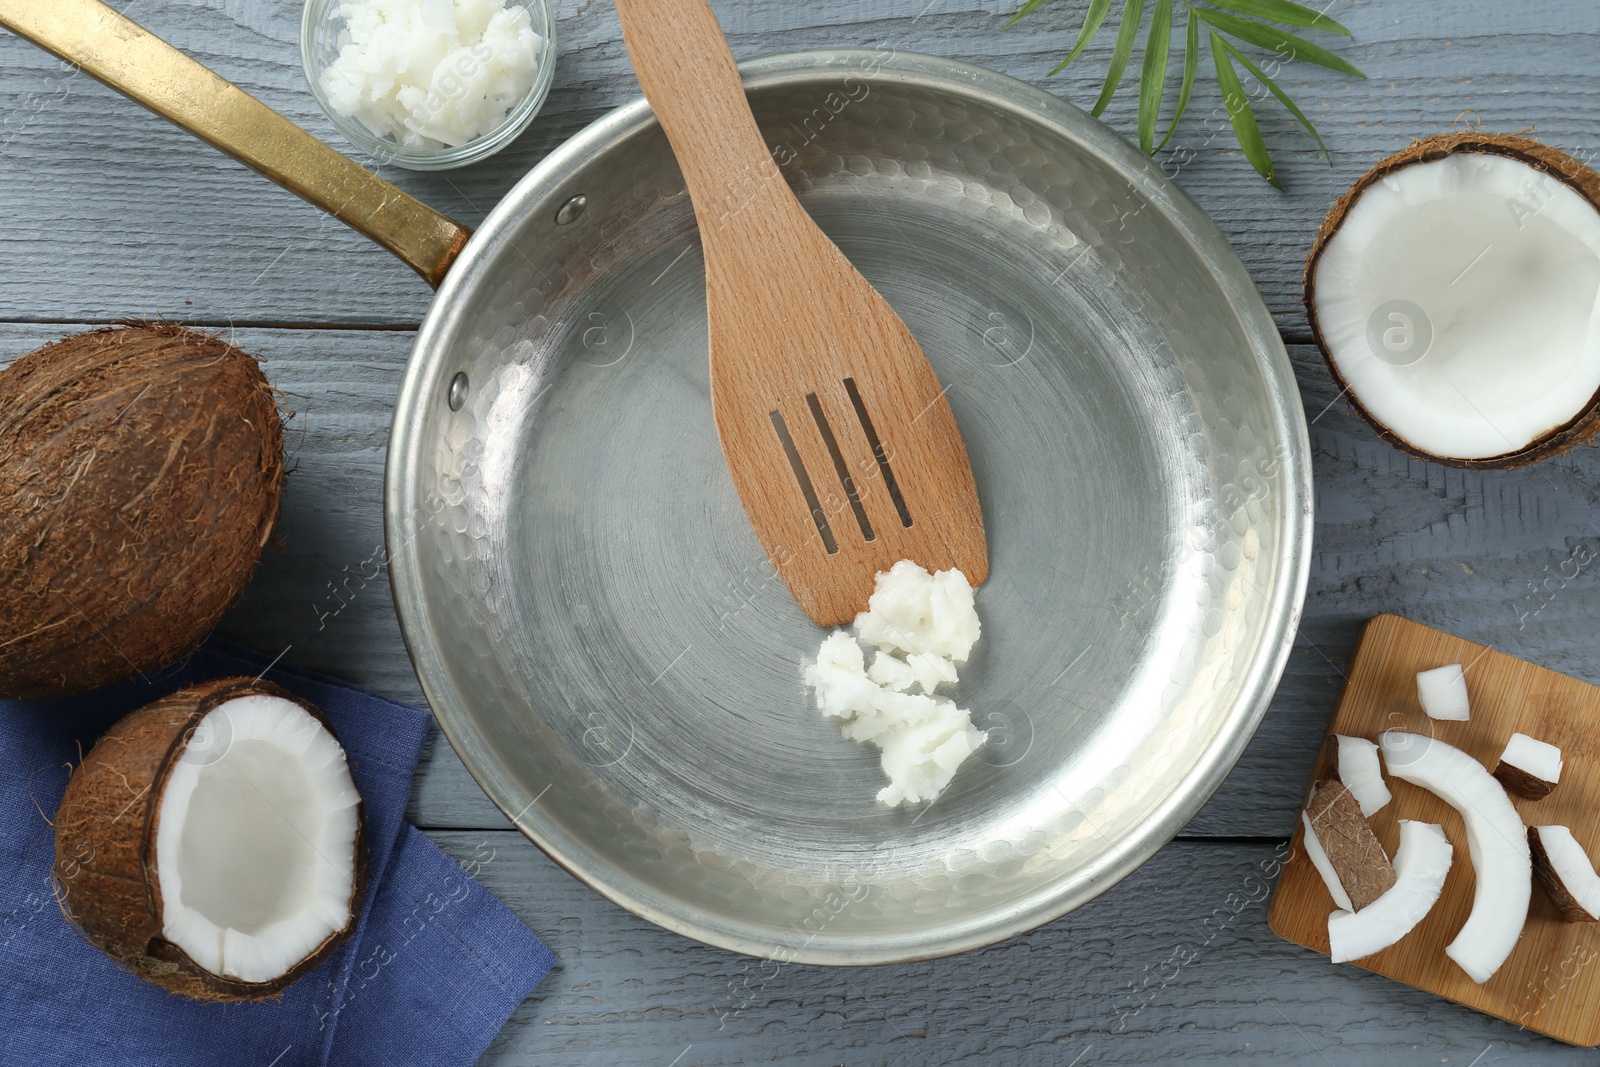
{"x":433,"y":971}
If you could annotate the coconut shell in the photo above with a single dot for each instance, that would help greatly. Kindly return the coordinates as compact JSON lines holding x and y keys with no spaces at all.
{"x":1541,"y":157}
{"x":141,"y":470}
{"x":105,"y":868}
{"x":1352,"y":848}
{"x":1521,"y":783}
{"x":1565,"y":903}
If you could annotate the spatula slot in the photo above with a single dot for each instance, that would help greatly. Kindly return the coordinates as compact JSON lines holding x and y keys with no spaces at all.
{"x":840,"y":467}
{"x":879,"y":453}
{"x":807,"y":490}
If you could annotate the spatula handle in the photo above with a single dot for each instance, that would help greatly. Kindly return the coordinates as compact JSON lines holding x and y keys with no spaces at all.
{"x":688,"y":75}
{"x":96,"y":38}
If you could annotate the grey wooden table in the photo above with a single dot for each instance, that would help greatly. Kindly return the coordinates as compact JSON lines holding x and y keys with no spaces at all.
{"x":110,"y":214}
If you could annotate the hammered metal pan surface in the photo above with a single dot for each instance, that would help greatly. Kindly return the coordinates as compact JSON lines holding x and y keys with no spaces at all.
{"x":608,"y":649}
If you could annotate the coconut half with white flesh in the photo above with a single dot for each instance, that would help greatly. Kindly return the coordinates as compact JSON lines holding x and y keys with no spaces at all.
{"x":1453,"y":292}
{"x":1565,"y":872}
{"x":212,"y":841}
{"x":1496,"y":840}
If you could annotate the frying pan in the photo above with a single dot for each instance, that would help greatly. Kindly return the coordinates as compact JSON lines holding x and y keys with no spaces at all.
{"x":590,"y":614}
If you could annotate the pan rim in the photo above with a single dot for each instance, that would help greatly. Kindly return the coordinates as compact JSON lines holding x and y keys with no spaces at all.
{"x":1188,"y":795}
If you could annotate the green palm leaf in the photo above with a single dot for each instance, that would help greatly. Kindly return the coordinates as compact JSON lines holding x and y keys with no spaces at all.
{"x":1272,"y":10}
{"x":1091,"y":26}
{"x":1238,"y":108}
{"x":1154,"y":75}
{"x":1126,"y":32}
{"x":1283,"y":97}
{"x":1026,"y":9}
{"x":1246,"y":21}
{"x":1282,"y":42}
{"x":1191,"y":61}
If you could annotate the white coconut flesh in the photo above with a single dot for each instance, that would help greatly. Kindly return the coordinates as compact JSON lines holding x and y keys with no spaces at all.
{"x":1361,"y":774}
{"x":1539,"y":758}
{"x":1458,"y":301}
{"x":1570,"y":863}
{"x":255,"y":843}
{"x":1496,"y":840}
{"x":923,"y":625}
{"x":1442,"y":692}
{"x":1420,"y":866}
{"x":1319,"y":859}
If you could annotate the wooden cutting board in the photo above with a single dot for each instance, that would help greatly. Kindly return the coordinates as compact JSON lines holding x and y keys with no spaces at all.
{"x":1551,"y":982}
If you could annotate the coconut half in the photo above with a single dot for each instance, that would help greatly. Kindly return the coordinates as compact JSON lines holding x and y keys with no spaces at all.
{"x":212,"y":841}
{"x":1565,"y":872}
{"x":1495,"y":838}
{"x":1453,"y":292}
{"x":1421,"y":863}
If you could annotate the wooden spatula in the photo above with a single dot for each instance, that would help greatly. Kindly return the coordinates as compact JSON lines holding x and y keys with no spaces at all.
{"x":838,"y":435}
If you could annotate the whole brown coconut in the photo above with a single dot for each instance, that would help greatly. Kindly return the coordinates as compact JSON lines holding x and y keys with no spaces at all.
{"x":106,"y":876}
{"x":1542,"y":158}
{"x":141,"y":470}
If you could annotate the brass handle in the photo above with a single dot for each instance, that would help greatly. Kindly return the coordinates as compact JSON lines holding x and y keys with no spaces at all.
{"x":118,"y":51}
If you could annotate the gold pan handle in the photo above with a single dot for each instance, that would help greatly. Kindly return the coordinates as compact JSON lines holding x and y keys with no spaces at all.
{"x":118,"y":51}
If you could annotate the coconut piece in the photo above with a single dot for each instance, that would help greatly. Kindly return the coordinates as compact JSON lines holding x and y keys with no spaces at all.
{"x":1495,"y":839}
{"x":922,"y":739}
{"x":1452,"y":290}
{"x":1565,"y":872}
{"x":1421,"y":863}
{"x":141,"y":470}
{"x":1355,"y":763}
{"x":932,"y":622}
{"x":1443,"y":693}
{"x":912,"y":611}
{"x":212,"y":841}
{"x":1352,"y":849}
{"x":924,"y":671}
{"x":1319,"y":860}
{"x":1528,"y":767}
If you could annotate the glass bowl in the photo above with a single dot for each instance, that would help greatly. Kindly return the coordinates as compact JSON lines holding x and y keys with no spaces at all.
{"x":320,"y":30}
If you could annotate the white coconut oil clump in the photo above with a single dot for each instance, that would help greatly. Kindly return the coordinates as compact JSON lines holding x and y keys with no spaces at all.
{"x":432,"y":73}
{"x":922,"y":626}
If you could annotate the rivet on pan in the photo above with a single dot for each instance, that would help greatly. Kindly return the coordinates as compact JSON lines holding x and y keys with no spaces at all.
{"x":571,"y":209}
{"x":458,"y":390}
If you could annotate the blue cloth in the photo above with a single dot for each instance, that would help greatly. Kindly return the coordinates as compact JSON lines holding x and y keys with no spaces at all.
{"x":433,"y":971}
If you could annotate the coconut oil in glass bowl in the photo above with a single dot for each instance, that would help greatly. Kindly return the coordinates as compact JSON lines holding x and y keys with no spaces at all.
{"x":475,"y":74}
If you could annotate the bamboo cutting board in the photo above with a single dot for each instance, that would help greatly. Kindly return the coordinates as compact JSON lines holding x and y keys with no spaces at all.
{"x":1551,"y":982}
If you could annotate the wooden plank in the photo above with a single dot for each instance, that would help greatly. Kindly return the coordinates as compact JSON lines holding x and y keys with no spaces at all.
{"x":118,"y":215}
{"x":1173,"y":965}
{"x":1546,"y":983}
